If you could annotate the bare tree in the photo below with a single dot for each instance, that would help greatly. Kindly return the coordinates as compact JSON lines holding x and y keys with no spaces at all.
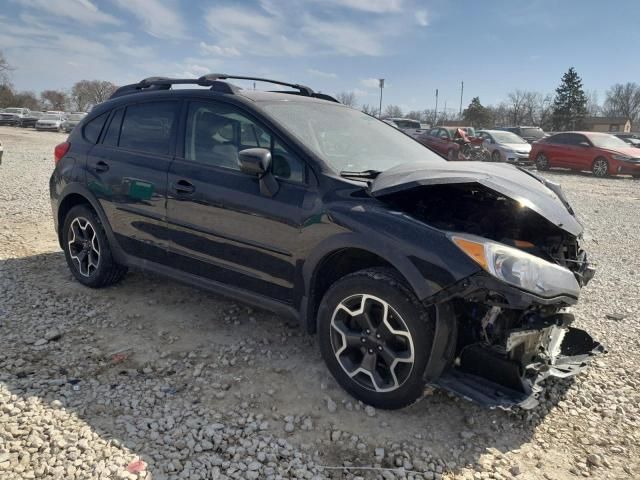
{"x":392,"y":111}
{"x":624,"y":101}
{"x":86,"y":93}
{"x":347,"y":98}
{"x":53,"y":99}
{"x":5,"y":68}
{"x":517,"y":101}
{"x":26,"y":100}
{"x":593,"y":106}
{"x":369,"y":110}
{"x":544,"y":111}
{"x":414,"y":115}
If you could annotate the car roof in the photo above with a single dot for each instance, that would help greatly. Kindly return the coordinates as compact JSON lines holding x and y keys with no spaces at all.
{"x":239,"y":96}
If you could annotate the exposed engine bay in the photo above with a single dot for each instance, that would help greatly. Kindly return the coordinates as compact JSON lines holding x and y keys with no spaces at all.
{"x":478,"y":210}
{"x":503,"y":348}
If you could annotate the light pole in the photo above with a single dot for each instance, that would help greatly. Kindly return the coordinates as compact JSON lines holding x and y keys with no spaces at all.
{"x":435,"y":116}
{"x":381,"y":83}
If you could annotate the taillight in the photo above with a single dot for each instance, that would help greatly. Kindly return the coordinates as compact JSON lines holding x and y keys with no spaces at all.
{"x":60,"y":151}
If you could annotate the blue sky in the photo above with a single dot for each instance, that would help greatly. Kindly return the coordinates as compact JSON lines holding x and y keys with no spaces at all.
{"x":331,"y":45}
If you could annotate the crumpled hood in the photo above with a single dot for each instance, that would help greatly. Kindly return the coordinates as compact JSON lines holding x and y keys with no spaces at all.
{"x":526,"y":188}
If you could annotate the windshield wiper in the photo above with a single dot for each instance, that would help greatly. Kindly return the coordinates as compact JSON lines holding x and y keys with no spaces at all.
{"x":362,"y":174}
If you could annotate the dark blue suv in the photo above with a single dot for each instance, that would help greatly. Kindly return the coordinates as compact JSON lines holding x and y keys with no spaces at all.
{"x":411,"y":270}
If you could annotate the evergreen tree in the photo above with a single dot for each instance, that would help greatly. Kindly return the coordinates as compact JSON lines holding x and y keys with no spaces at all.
{"x":477,"y":115}
{"x":570,"y":104}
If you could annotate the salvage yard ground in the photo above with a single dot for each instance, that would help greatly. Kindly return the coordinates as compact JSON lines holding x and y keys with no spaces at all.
{"x":200,"y":387}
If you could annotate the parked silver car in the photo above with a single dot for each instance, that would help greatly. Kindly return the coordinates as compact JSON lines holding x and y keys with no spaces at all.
{"x":72,"y":120}
{"x":51,"y":121}
{"x":505,"y":146}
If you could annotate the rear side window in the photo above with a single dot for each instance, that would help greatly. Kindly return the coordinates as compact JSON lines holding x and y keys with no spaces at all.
{"x":147,"y":127}
{"x":92,"y":129}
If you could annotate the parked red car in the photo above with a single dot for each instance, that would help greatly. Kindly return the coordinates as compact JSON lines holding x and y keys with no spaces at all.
{"x":601,"y":153}
{"x":445,"y":140}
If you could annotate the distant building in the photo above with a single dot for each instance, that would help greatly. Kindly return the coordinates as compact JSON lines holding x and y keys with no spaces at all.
{"x":607,"y":124}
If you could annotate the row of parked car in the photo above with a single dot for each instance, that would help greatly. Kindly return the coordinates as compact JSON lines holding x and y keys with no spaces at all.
{"x":52,"y":120}
{"x":601,"y":153}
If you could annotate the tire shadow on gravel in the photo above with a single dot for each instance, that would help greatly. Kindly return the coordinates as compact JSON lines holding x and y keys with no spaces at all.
{"x":188,"y":381}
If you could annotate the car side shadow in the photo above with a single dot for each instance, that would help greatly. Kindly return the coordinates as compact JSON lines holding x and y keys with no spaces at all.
{"x":151,"y":369}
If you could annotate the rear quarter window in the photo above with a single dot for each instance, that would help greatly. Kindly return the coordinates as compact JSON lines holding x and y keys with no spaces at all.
{"x":91,"y":130}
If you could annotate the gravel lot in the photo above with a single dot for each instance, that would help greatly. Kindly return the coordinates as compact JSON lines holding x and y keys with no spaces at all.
{"x":153,"y":379}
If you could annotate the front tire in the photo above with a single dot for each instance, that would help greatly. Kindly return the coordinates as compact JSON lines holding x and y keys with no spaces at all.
{"x":376,"y":337}
{"x":600,"y":167}
{"x":495,"y":156}
{"x":87,"y":249}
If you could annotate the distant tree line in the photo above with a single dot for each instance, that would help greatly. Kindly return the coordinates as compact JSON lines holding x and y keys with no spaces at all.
{"x":566,"y":109}
{"x":81,"y":97}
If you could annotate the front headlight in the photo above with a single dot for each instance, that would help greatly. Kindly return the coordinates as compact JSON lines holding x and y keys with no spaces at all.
{"x":622,"y":158}
{"x":519,"y":268}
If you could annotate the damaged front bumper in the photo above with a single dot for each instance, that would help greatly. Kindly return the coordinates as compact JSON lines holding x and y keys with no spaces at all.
{"x":485,"y":377}
{"x":507,"y":342}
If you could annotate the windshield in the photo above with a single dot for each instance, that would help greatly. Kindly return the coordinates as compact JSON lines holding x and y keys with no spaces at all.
{"x":12,"y":110}
{"x":532,"y":132}
{"x":507,"y":137}
{"x":607,"y":141}
{"x":51,"y":116}
{"x":76,"y":116}
{"x":347,"y":139}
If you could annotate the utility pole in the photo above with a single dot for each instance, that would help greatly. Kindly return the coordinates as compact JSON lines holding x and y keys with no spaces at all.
{"x":381,"y":83}
{"x":461,"y":90}
{"x":435,"y":117}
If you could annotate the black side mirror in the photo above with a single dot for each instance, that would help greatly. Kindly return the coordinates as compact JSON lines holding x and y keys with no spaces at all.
{"x":257,"y":161}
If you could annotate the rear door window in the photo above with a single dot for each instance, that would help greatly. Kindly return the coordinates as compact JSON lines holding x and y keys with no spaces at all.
{"x":148,"y":127}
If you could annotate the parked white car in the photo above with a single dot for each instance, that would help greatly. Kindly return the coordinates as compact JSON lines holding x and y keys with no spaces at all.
{"x":505,"y":146}
{"x":407,"y":125}
{"x":51,"y":121}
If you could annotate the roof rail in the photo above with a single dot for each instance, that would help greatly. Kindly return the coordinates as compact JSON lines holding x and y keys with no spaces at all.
{"x":303,"y":89}
{"x":165,"y":83}
{"x":214,"y":81}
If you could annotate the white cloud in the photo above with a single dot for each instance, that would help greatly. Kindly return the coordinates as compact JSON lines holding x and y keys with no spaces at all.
{"x":370,"y":82}
{"x":321,"y":74}
{"x":217,"y":50}
{"x":374,"y":6}
{"x":422,"y":17}
{"x":160,"y":18}
{"x":342,"y":37}
{"x":82,"y":11}
{"x":247,"y":30}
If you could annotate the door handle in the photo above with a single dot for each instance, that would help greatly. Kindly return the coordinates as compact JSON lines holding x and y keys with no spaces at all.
{"x":101,"y":167}
{"x":183,"y":187}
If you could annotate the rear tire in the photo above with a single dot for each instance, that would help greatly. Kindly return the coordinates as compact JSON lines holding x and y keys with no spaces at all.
{"x":87,"y":249}
{"x":600,"y":167}
{"x":378,"y":358}
{"x":542,"y":162}
{"x":452,"y":155}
